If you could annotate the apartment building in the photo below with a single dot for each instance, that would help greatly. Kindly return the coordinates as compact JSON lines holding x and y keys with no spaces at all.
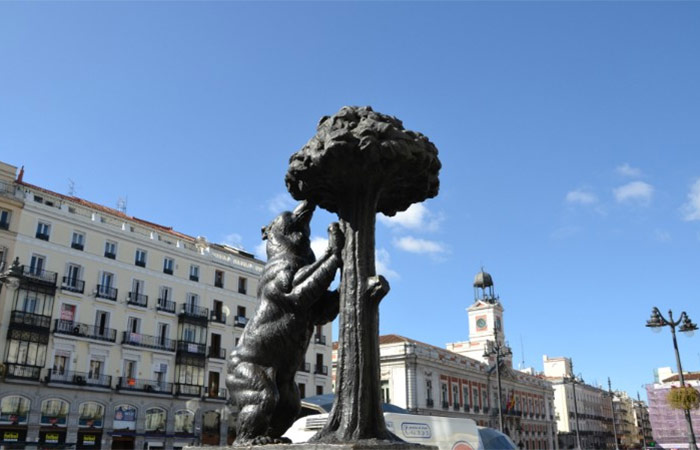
{"x":460,"y":382}
{"x":669,"y":426}
{"x":117,"y":329}
{"x":583,"y":412}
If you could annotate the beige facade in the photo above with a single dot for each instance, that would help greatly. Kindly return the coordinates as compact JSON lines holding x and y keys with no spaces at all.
{"x":581,"y":409}
{"x":121,"y":318}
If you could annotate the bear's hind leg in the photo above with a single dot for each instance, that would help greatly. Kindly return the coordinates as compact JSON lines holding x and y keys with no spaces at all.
{"x":287,"y":409}
{"x":256,"y":395}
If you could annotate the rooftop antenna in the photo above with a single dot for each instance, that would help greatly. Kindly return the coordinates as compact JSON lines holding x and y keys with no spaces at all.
{"x":71,"y":188}
{"x":522,"y":353}
{"x":121,"y":204}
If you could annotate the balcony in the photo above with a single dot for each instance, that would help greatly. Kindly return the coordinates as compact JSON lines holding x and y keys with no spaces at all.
{"x":194,"y":277}
{"x":110,"y":255}
{"x":168,"y":270}
{"x":240,"y":321}
{"x":217,"y":394}
{"x":321,"y":370}
{"x":166,"y":306}
{"x":79,"y":378}
{"x":77,"y":246}
{"x":429,"y":403}
{"x":106,"y":292}
{"x":305,"y":367}
{"x":21,"y":319}
{"x":218,"y":316}
{"x":194,"y":312}
{"x":146,"y":341}
{"x":192,"y":348}
{"x":320,"y":339}
{"x":188,"y":390}
{"x":136,"y":384}
{"x":22,"y":371}
{"x":73,"y":285}
{"x":84,"y":330}
{"x":32,"y":274}
{"x":137,"y":299}
{"x":216,"y":353}
{"x":42,"y":236}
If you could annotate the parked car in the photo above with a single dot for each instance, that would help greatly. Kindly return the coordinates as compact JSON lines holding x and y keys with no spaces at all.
{"x":446,"y":433}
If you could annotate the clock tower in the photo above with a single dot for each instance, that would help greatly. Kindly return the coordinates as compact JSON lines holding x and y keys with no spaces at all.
{"x":485,"y":322}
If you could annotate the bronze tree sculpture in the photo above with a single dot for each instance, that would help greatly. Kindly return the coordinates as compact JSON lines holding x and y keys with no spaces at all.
{"x":361,"y":162}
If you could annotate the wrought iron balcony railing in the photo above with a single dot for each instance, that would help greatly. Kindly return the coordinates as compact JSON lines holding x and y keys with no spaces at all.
{"x":240,"y":321}
{"x":137,"y":384}
{"x":218,"y":394}
{"x":137,"y":299}
{"x":320,"y":339}
{"x":22,"y":371}
{"x":79,"y":378}
{"x":165,"y":305}
{"x":217,"y":353}
{"x":193,"y":311}
{"x":34,"y":274}
{"x":188,"y":390}
{"x":146,"y":341}
{"x":191,"y":347}
{"x":305,"y":367}
{"x":321,"y":370}
{"x":218,"y":316}
{"x":77,"y":329}
{"x":73,"y":285}
{"x":106,"y":292}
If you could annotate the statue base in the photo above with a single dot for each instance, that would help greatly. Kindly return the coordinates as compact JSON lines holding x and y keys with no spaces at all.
{"x":364,"y":445}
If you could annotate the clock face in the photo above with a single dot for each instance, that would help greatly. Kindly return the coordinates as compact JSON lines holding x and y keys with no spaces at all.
{"x":481,"y":323}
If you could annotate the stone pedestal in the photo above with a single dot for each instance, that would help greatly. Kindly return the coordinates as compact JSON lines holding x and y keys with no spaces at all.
{"x":365,"y":445}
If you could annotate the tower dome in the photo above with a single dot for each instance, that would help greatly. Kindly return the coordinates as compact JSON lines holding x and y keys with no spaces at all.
{"x":483,"y":280}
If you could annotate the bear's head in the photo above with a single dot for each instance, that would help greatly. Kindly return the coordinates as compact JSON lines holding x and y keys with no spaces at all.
{"x":288,"y":233}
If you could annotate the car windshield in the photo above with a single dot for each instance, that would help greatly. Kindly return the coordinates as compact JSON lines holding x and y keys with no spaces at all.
{"x":494,"y":440}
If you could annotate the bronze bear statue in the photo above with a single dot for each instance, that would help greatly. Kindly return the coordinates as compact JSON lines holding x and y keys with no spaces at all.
{"x":294,"y":298}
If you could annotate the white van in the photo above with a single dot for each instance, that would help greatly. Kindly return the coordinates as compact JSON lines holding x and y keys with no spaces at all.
{"x":443,"y":432}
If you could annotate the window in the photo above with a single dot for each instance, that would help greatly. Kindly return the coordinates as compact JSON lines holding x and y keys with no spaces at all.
{"x":36,"y":266}
{"x":465,"y":396}
{"x":110,"y":249}
{"x":319,"y":390}
{"x":140,"y":259}
{"x":26,"y":352}
{"x":219,"y":278}
{"x":384,"y":386}
{"x":73,"y":275}
{"x":43,"y":230}
{"x":68,"y":312}
{"x":155,"y":420}
{"x":95,"y":369}
{"x":475,"y":398}
{"x":444,"y":395}
{"x":168,"y":264}
{"x":54,"y":412}
{"x":133,"y":325}
{"x":4,"y":219}
{"x":91,"y":415}
{"x":217,"y":314}
{"x":429,"y":389}
{"x":130,"y":369}
{"x":194,"y":273}
{"x":60,"y":363}
{"x":78,"y":240}
{"x":455,"y":395}
{"x":302,"y":390}
{"x":242,"y":285}
{"x":163,"y":332}
{"x":184,"y":422}
{"x":102,"y":323}
{"x":14,"y":410}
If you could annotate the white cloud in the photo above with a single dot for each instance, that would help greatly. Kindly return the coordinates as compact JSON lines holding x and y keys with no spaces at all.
{"x":581,"y":197}
{"x":628,"y":171}
{"x":382,"y":259}
{"x":319,"y":246}
{"x":261,"y":250}
{"x":662,"y":236}
{"x":280,"y":202}
{"x":233,"y":240}
{"x":416,"y":217}
{"x":414,"y":245}
{"x":691,"y":209}
{"x":636,"y":191}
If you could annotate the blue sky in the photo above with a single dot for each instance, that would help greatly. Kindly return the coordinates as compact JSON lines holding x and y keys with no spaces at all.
{"x":568,"y":134}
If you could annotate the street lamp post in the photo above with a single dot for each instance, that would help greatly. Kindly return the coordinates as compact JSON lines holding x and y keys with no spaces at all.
{"x":612,"y":407}
{"x":657,"y":321}
{"x":500,"y":352}
{"x":573,"y":382}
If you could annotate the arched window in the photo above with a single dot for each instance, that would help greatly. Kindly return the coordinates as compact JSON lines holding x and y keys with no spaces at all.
{"x":124,"y":417}
{"x":54,"y":411}
{"x":184,"y":421}
{"x":156,"y":419}
{"x":91,"y":415}
{"x":14,"y":410}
